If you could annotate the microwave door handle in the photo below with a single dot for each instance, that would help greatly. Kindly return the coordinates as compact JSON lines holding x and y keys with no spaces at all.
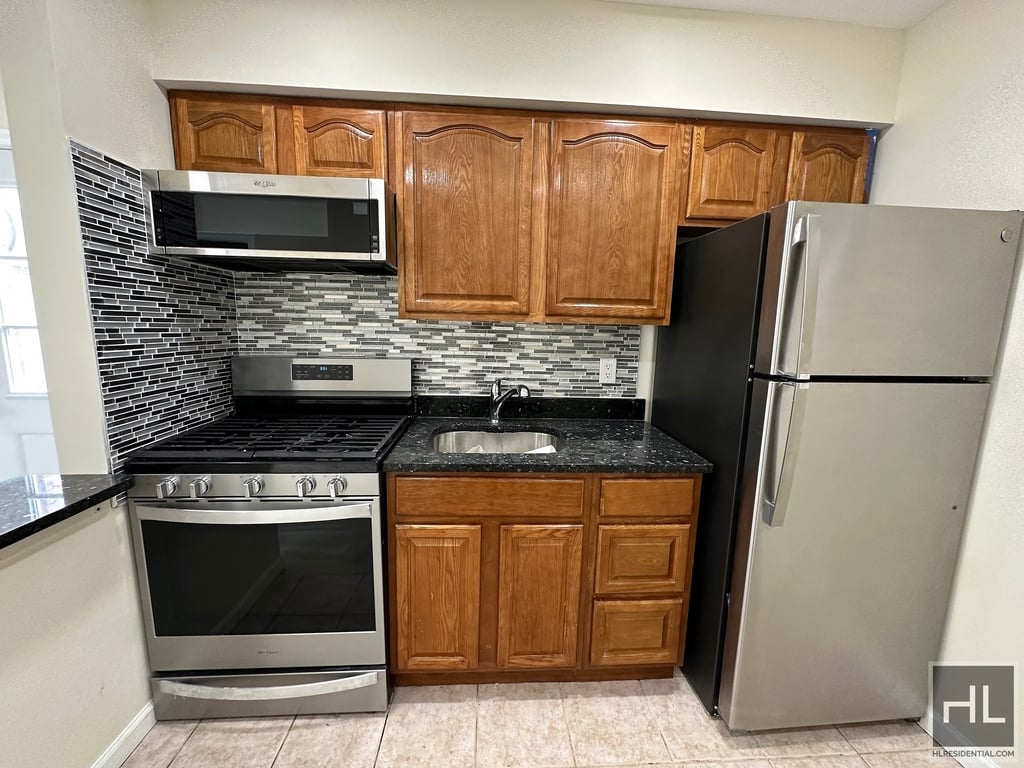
{"x":253,"y":516}
{"x":266,"y":693}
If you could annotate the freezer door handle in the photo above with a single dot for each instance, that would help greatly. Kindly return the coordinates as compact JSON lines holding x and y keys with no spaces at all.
{"x":805,"y":241}
{"x":268,"y":692}
{"x":787,"y":402}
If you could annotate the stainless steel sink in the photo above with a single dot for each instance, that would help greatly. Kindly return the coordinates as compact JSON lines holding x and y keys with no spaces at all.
{"x":465,"y":441}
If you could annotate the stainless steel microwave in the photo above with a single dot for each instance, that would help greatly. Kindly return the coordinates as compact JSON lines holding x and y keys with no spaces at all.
{"x":268,"y":223}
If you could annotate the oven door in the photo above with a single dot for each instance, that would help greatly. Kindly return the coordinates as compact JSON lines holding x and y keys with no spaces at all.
{"x":257,"y":584}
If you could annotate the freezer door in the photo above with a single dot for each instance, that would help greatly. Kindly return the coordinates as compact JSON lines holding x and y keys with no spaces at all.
{"x":870,"y":290}
{"x":851,"y":512}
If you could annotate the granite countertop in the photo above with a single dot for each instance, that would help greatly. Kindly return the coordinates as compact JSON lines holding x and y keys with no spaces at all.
{"x":590,"y":445}
{"x":32,"y":503}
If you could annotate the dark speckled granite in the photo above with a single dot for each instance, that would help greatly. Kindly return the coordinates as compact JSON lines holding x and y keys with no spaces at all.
{"x":31,"y":503}
{"x":532,"y":407}
{"x":590,"y":445}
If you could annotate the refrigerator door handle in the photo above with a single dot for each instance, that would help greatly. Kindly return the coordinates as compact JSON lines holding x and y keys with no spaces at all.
{"x":806,"y":237}
{"x":782,"y":462}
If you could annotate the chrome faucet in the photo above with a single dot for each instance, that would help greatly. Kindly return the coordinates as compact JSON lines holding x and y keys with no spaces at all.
{"x":498,"y":397}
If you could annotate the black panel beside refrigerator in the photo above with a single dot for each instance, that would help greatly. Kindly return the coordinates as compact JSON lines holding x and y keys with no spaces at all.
{"x":702,"y":398}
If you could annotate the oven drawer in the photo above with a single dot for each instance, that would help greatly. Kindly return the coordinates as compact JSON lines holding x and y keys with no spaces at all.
{"x":282,"y":693}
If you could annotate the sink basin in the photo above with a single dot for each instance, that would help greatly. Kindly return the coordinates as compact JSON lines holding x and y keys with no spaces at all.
{"x":464,"y":441}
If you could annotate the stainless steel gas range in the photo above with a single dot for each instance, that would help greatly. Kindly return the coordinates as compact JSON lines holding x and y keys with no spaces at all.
{"x":258,"y":543}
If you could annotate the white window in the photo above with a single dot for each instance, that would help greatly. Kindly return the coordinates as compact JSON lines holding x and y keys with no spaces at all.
{"x":19,"y":336}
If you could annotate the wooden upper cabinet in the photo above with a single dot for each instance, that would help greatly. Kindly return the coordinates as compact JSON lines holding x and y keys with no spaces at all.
{"x":339,"y":141}
{"x":538,"y":601}
{"x":437,"y":570}
{"x":732,"y":169}
{"x":465,"y":187}
{"x":223,"y":135}
{"x":611,"y":219}
{"x":828,"y":166}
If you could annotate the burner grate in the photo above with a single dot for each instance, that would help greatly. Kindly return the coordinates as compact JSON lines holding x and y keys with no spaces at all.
{"x":284,"y":438}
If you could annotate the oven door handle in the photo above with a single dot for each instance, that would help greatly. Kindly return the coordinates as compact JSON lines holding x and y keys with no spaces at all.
{"x":256,"y":516}
{"x":268,"y":692}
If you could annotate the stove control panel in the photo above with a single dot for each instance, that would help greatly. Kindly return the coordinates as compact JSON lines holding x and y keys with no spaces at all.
{"x":307,"y":372}
{"x":270,"y":487}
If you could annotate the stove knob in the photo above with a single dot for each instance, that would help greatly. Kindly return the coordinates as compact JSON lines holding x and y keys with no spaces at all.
{"x":253,"y":486}
{"x":199,"y":487}
{"x":336,"y":486}
{"x":305,"y":485}
{"x":166,"y":487}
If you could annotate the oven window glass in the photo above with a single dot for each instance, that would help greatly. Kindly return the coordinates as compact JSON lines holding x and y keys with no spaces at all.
{"x":272,"y":222}
{"x":260,"y":579}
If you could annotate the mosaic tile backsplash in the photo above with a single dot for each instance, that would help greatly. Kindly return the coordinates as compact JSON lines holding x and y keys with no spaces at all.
{"x":344,"y":315}
{"x":164,"y":330}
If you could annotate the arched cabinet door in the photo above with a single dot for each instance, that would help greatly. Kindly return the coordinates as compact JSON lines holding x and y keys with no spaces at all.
{"x":731,"y":170}
{"x":468,"y":221}
{"x":614,"y":195}
{"x":337,"y":141}
{"x":829,"y":167}
{"x":224,"y":135}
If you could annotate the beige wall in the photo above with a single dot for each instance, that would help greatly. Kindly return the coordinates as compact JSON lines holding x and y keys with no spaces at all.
{"x":959,"y":141}
{"x":74,"y":673}
{"x":570,"y":51}
{"x":73,"y":666}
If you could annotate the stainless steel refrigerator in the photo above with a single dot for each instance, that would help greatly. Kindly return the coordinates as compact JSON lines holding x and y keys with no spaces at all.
{"x":833,"y":362}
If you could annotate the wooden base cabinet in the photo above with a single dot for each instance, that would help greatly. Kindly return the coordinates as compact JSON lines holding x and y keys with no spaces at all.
{"x":437,"y":570}
{"x":538,"y":577}
{"x":539,"y":598}
{"x":637,"y":632}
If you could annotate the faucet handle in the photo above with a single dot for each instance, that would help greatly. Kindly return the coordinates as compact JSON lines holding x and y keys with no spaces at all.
{"x":495,"y":388}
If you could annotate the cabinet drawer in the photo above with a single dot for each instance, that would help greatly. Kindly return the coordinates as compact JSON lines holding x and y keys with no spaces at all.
{"x":488,"y":497}
{"x":647,"y":498}
{"x":627,"y":632}
{"x":634,"y":559}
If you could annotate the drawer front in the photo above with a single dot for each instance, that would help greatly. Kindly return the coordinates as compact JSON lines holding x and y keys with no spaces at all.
{"x":628,"y":632}
{"x":488,"y":497}
{"x":647,"y":498}
{"x":635,"y":559}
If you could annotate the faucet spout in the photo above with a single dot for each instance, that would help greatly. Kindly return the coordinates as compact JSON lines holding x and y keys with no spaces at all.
{"x":499,"y":397}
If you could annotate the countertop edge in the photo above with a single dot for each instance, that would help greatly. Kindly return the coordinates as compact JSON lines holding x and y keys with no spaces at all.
{"x":120,"y":484}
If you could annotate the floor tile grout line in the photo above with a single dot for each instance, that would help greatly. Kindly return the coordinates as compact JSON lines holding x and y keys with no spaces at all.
{"x":180,"y":746}
{"x":476,"y":722}
{"x":383,"y":729}
{"x":654,"y":718}
{"x":281,"y":745}
{"x":565,"y":719}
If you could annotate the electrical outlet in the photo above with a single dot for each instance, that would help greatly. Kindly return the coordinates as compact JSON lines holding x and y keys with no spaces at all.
{"x":606,"y":372}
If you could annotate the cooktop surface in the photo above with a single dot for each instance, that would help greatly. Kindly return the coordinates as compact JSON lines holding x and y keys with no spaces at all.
{"x":280,"y":439}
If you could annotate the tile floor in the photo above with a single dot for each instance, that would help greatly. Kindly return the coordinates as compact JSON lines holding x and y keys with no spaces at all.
{"x":653,"y":723}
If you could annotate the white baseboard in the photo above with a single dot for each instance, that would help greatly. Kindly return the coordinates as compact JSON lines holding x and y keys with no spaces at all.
{"x":966,"y":762}
{"x":128,"y":739}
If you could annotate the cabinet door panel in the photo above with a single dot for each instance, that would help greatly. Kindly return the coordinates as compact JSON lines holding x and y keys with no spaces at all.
{"x":336,"y":141}
{"x":489,"y":496}
{"x":216,"y":135}
{"x":467,"y":203}
{"x":538,"y":611}
{"x":730,"y":171}
{"x":437,"y":571}
{"x":628,"y":632}
{"x":633,"y":559}
{"x":647,"y":497}
{"x":612,"y":219}
{"x":828,"y":167}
